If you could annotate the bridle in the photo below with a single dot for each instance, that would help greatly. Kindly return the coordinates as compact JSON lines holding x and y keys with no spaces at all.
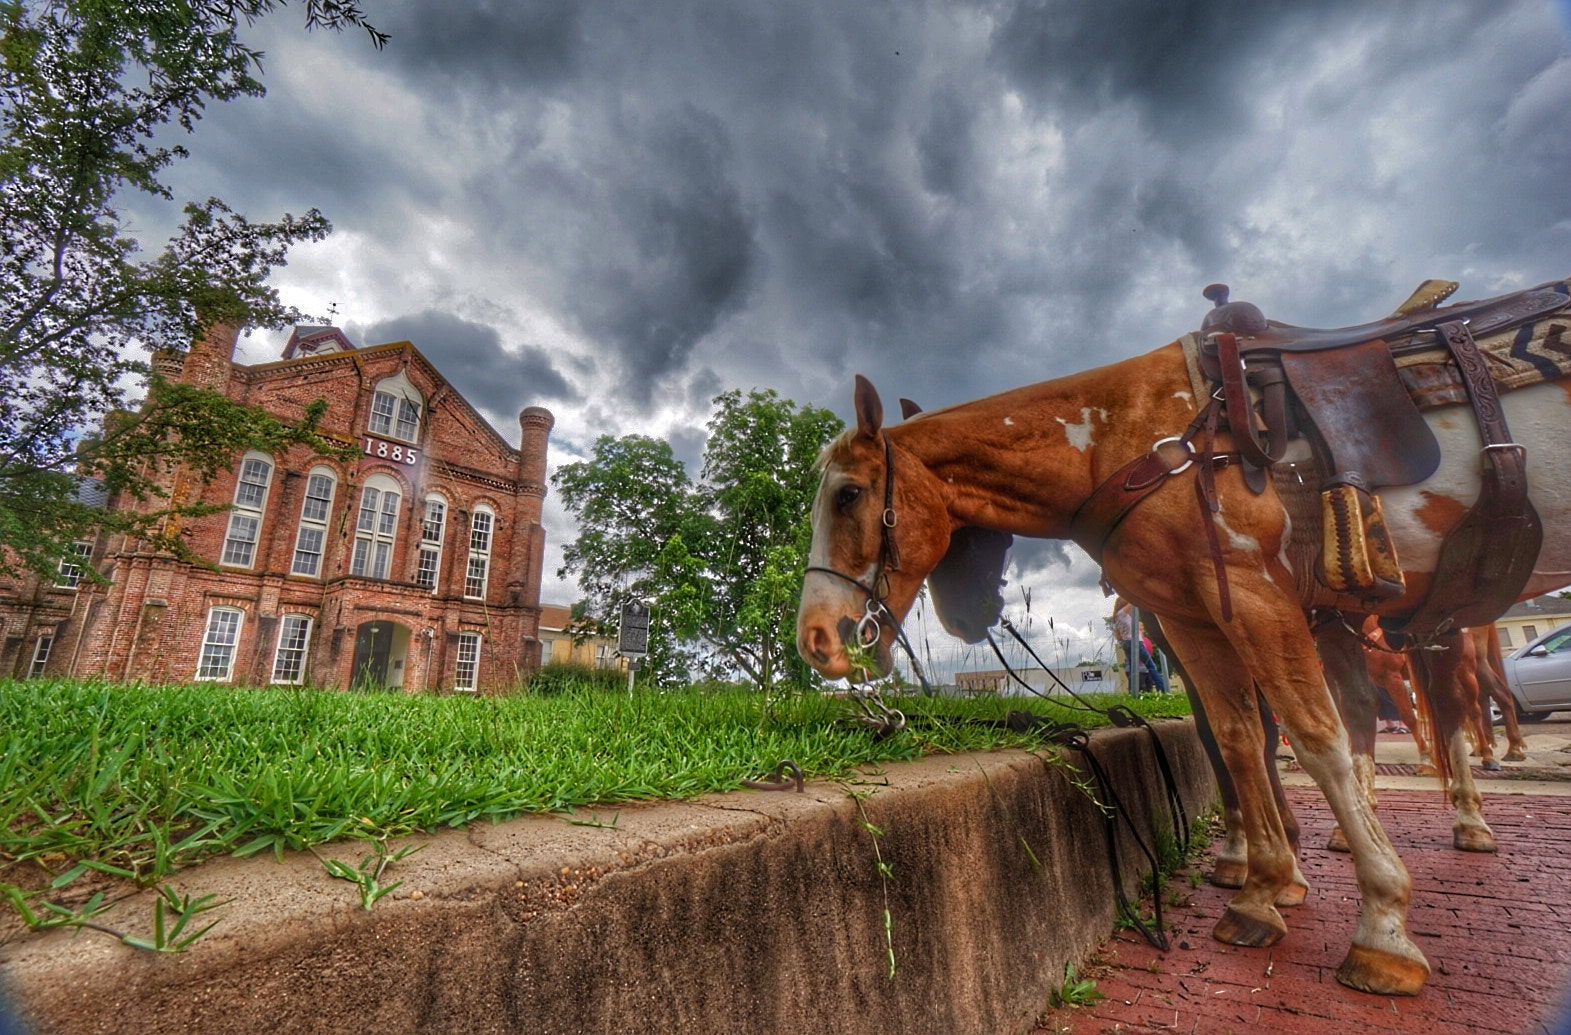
{"x":887,"y":720}
{"x":877,"y":613}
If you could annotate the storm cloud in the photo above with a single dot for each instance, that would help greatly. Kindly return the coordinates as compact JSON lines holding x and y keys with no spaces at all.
{"x":618,"y":209}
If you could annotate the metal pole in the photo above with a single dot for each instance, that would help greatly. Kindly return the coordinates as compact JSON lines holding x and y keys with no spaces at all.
{"x":1134,"y":650}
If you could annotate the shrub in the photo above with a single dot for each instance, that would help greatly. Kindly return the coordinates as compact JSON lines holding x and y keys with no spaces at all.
{"x":558,"y":679}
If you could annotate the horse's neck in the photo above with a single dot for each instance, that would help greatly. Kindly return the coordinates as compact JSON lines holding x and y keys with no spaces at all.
{"x":1025,"y":460}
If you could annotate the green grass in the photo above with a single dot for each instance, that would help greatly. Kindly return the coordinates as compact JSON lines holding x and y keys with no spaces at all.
{"x":138,"y":781}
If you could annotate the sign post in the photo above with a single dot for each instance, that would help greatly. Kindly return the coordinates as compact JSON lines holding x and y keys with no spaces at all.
{"x":633,"y":636}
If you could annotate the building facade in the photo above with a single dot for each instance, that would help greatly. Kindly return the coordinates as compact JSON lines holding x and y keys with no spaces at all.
{"x":1524,"y":622}
{"x":416,"y":566}
{"x":560,"y":646}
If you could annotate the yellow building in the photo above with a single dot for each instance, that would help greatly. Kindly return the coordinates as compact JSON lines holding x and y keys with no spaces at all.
{"x":557,"y":646}
{"x":1525,"y":622}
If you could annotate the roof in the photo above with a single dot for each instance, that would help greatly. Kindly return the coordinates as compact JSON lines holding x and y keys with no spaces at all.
{"x":1546,"y":605}
{"x":258,"y":372}
{"x":554,"y":617}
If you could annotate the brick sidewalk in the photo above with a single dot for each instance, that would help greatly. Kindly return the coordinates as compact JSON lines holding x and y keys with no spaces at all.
{"x":1496,"y":930}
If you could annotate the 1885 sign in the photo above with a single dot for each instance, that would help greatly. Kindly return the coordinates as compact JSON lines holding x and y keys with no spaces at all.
{"x":385,"y":450}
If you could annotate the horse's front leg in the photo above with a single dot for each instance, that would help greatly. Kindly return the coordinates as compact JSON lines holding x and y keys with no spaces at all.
{"x":1228,"y":695}
{"x":1270,"y":634}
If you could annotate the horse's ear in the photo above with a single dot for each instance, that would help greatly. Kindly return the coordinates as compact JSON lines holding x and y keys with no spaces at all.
{"x":967,"y":585}
{"x":908,"y":409}
{"x":869,"y":409}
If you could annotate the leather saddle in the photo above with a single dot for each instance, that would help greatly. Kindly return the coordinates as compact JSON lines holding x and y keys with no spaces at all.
{"x":1339,"y":389}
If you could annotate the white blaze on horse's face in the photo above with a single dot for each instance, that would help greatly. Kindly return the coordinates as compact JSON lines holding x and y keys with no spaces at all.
{"x":826,"y":598}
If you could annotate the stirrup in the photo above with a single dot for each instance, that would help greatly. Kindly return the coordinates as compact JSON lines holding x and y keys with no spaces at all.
{"x":1357,"y":556}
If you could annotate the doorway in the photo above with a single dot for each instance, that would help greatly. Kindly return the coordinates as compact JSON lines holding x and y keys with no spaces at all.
{"x":381,"y":649}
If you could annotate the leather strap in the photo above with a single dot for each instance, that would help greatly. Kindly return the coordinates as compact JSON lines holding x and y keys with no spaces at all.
{"x":1487,"y":558}
{"x":1111,"y":502}
{"x":1241,"y":410}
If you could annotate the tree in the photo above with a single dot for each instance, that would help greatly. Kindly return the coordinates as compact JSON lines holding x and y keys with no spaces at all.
{"x":85,"y":87}
{"x":721,"y":561}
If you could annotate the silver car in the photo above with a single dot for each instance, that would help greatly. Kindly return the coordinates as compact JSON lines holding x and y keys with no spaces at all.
{"x":1539,"y":674}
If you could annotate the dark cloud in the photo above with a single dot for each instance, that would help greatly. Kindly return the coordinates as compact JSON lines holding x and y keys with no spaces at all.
{"x":471,"y":356}
{"x":952,"y":197}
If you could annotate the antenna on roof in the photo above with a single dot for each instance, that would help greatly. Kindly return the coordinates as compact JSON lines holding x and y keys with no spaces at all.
{"x":332,"y":312}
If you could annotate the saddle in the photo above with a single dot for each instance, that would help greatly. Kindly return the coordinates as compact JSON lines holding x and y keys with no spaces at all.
{"x":1339,"y":389}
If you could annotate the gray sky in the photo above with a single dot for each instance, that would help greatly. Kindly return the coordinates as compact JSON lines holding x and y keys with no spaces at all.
{"x":619,"y":209}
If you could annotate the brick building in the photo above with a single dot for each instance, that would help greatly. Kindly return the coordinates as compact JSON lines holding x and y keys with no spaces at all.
{"x":415,"y":566}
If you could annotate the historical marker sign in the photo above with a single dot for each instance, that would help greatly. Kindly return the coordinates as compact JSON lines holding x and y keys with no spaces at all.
{"x":633,"y":641}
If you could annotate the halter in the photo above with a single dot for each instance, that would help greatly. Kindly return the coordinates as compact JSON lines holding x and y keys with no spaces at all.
{"x":877,"y":613}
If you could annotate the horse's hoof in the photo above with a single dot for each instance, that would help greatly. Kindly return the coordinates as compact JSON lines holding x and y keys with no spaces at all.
{"x":1338,"y":841}
{"x":1516,"y":755}
{"x":1382,"y":973}
{"x":1229,"y":873}
{"x":1426,"y":769}
{"x":1473,"y":839}
{"x":1291,"y":895}
{"x":1491,"y":766}
{"x":1236,"y":928}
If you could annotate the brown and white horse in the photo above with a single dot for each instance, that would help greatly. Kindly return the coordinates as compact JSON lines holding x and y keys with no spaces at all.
{"x":930,"y":496}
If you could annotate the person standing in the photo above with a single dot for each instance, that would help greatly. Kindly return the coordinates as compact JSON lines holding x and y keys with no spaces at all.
{"x":1124,"y":629}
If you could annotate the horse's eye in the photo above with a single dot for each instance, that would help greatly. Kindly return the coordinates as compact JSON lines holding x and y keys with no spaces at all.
{"x":847,"y":495}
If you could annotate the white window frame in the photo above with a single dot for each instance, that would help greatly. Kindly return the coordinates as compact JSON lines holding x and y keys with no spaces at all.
{"x":482,"y":536}
{"x":546,"y":650}
{"x":396,"y":408}
{"x":244,"y":535}
{"x":466,"y":666}
{"x":376,"y":527}
{"x":296,"y":650}
{"x":41,"y":648}
{"x":433,"y":530}
{"x":605,"y":655}
{"x":71,"y":565}
{"x":315,"y":514}
{"x":1505,"y":637}
{"x":219,"y":648}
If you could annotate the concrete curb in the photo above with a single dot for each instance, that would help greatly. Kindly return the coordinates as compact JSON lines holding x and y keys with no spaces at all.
{"x":748,"y":912}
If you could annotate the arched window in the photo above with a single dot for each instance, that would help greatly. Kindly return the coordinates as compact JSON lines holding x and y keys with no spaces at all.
{"x":219,"y":644}
{"x":315,"y":510}
{"x":396,"y":408}
{"x":376,"y":527}
{"x":245,"y":520}
{"x":482,"y":524}
{"x":433,"y":528}
{"x":294,"y":632}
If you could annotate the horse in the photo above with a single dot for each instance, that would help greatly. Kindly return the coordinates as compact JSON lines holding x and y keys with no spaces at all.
{"x":938,"y":498}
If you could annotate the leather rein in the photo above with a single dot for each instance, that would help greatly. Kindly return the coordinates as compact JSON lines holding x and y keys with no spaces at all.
{"x":889,"y":720}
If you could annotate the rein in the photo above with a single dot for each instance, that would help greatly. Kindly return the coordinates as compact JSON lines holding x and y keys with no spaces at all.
{"x":1143,"y":476}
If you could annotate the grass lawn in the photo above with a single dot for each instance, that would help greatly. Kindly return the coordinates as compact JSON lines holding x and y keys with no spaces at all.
{"x":136,"y":781}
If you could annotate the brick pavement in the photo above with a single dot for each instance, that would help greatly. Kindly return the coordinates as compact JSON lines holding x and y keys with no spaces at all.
{"x":1495,"y":928}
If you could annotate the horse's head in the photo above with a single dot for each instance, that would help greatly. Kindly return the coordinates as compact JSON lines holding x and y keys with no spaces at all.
{"x":881,"y":525}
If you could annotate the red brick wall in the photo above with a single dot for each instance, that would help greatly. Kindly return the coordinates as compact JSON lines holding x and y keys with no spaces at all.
{"x":150,"y":622}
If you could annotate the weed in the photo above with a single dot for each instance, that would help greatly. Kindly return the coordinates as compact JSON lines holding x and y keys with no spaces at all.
{"x":1076,"y":991}
{"x":169,"y":904}
{"x":368,"y":875}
